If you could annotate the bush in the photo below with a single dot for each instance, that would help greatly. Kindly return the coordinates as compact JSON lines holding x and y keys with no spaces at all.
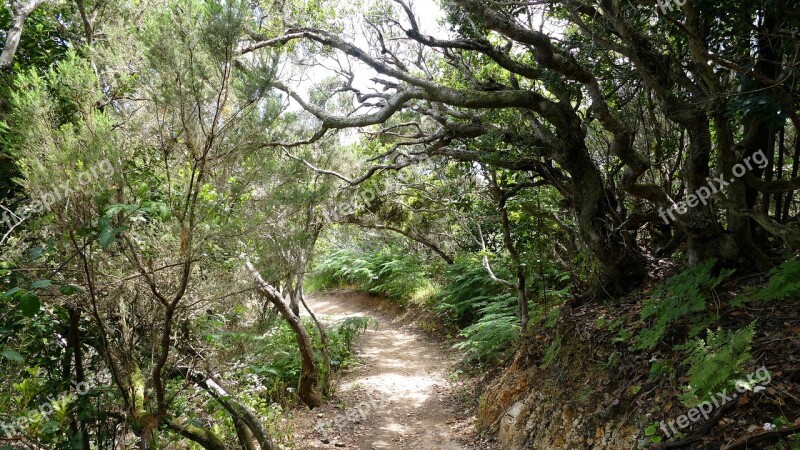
{"x":267,"y":360}
{"x":493,"y":335}
{"x":340,"y":268}
{"x":341,"y":337}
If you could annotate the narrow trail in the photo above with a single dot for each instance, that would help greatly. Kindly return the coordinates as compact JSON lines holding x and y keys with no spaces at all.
{"x":398,"y":396}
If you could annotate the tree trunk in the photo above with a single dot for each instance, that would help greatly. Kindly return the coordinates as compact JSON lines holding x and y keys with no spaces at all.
{"x":323,"y":336}
{"x":703,"y":231}
{"x":206,"y":438}
{"x":77,"y":426}
{"x":623,"y":267}
{"x":19,"y":14}
{"x":245,"y":436}
{"x":522,"y":296}
{"x":247,"y":423}
{"x":795,"y":166}
{"x":309,"y":377}
{"x":779,"y":176}
{"x":290,"y":292}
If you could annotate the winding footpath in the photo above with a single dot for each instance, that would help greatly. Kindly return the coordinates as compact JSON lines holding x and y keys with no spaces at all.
{"x":398,"y":395}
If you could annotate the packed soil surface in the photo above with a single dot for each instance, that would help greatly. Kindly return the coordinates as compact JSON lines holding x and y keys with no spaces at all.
{"x":399,"y":394}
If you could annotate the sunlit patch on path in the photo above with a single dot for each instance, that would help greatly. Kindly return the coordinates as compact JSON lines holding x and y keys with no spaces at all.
{"x":406,"y":376}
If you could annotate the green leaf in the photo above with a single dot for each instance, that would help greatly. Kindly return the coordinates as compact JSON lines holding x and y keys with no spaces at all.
{"x":157,"y":208}
{"x":36,"y":252}
{"x":29,"y":305}
{"x":109,"y":236}
{"x":12,"y":355}
{"x":69,"y":289}
{"x":12,"y":292}
{"x":119,"y":207}
{"x":41,"y":284}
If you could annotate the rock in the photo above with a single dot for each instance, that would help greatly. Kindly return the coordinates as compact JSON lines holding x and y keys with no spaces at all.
{"x":508,"y":423}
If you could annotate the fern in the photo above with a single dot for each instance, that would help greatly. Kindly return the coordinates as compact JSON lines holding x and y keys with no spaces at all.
{"x":716,"y":363}
{"x":390,"y":272}
{"x":552,"y":352}
{"x":784,"y":282}
{"x":485,"y":310}
{"x":493,"y":335}
{"x":397,"y":275}
{"x":340,"y":268}
{"x":469,"y":289}
{"x":680,"y":295}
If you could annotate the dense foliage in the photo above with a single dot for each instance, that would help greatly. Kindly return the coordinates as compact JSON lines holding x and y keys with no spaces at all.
{"x":177,"y":174}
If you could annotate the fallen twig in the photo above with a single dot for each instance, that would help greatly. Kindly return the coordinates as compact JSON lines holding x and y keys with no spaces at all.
{"x":754,"y":438}
{"x":704,"y":429}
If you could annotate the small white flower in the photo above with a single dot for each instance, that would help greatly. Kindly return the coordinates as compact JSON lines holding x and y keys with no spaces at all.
{"x":769,"y":427}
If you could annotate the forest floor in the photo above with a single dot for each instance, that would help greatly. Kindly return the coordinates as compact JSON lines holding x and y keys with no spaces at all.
{"x":400,"y":393}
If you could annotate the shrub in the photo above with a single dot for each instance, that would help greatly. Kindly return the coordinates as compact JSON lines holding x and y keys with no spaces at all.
{"x":267,"y":360}
{"x":493,"y":335}
{"x":340,"y":268}
{"x":397,"y":276}
{"x":341,"y":337}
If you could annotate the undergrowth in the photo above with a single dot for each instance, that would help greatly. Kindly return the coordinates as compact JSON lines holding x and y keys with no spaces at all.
{"x":684,"y":295}
{"x":715,"y":363}
{"x":784,"y":283}
{"x":266,"y":359}
{"x":388,"y":272}
{"x":485,"y":310}
{"x":718,"y":361}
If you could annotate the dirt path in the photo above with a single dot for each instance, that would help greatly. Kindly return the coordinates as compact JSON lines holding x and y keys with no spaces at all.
{"x":398,"y":397}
